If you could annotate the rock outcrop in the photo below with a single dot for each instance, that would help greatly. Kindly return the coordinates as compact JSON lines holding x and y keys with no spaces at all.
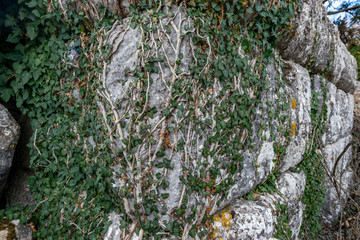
{"x":9,"y":136}
{"x":314,"y":43}
{"x":312,"y":59}
{"x":256,"y":219}
{"x":14,"y":230}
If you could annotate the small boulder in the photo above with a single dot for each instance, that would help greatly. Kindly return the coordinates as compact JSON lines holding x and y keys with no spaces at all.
{"x":9,"y":136}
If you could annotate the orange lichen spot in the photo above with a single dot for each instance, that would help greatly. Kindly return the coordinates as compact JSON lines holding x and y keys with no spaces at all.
{"x":293,"y":103}
{"x":32,"y":226}
{"x":224,"y":218}
{"x":293,"y":129}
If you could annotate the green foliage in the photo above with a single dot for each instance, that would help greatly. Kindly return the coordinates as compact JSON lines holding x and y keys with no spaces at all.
{"x":283,"y":231}
{"x":312,"y":166}
{"x":355,"y":51}
{"x":37,"y":73}
{"x":72,"y":185}
{"x":30,"y":59}
{"x":226,"y":38}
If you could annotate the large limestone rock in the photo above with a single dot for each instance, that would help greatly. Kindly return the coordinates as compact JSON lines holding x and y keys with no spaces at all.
{"x":298,"y":83}
{"x":313,"y":42}
{"x":9,"y":136}
{"x":335,"y":149}
{"x":257,"y":219}
{"x":14,"y":230}
{"x":340,"y":108}
{"x":339,"y":178}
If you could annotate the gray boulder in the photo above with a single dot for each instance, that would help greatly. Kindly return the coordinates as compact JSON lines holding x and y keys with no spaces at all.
{"x":311,"y":49}
{"x":339,"y":178}
{"x":9,"y":136}
{"x":257,"y":219}
{"x":340,"y":114}
{"x":313,"y":42}
{"x":298,"y":87}
{"x":23,"y":232}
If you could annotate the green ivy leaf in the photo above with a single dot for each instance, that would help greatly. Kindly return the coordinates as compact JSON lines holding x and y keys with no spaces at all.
{"x":6,"y":93}
{"x":25,"y":77}
{"x":31,"y":31}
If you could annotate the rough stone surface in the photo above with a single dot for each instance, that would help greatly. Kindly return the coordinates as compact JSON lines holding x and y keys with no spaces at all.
{"x":340,"y":107}
{"x":357,"y":109}
{"x":122,"y":66}
{"x":257,"y":219}
{"x":299,"y":88}
{"x":314,"y":42}
{"x":9,"y":136}
{"x":23,"y":232}
{"x":114,"y":232}
{"x":338,"y":185}
{"x":4,"y":234}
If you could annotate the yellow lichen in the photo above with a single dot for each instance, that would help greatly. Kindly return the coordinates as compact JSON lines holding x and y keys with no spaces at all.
{"x":224,"y":218}
{"x":223,"y":221}
{"x":293,"y":103}
{"x":293,"y":129}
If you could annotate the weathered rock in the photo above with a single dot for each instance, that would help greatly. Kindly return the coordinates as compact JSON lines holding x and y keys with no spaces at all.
{"x":338,"y":182}
{"x":113,"y":232}
{"x":23,"y":232}
{"x":256,"y":166}
{"x":9,"y":136}
{"x":14,"y":230}
{"x":257,"y":219}
{"x":121,"y":68}
{"x":249,"y":219}
{"x":357,"y":109}
{"x":299,"y":89}
{"x":340,"y":107}
{"x":314,"y":42}
{"x":7,"y":229}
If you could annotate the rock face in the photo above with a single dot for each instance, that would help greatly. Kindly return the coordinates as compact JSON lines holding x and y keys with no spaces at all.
{"x":23,"y":232}
{"x":314,"y":43}
{"x":312,"y":56}
{"x":9,"y":136}
{"x":256,"y":219}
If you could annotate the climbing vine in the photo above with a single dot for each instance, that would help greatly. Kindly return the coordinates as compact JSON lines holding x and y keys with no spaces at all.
{"x":82,"y":131}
